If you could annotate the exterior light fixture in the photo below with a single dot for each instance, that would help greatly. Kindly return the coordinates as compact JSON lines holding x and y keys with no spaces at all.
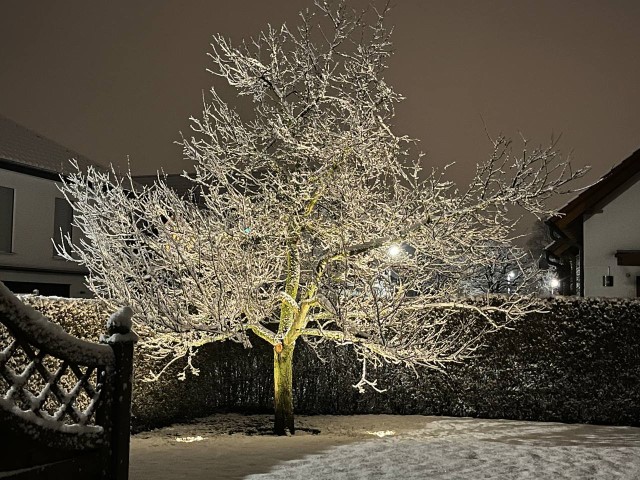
{"x":394,"y":250}
{"x":510,"y":277}
{"x":554,"y":283}
{"x":607,"y":280}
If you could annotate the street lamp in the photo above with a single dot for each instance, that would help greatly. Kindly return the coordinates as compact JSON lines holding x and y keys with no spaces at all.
{"x":510,"y":276}
{"x":394,"y":250}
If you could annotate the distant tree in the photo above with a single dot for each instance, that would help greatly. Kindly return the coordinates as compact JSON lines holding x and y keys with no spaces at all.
{"x":538,"y":240}
{"x":504,"y":269}
{"x":304,"y":194}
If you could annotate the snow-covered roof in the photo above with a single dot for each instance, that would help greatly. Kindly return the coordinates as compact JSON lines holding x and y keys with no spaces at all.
{"x":610,"y":182}
{"x":22,"y":147}
{"x":568,"y":223}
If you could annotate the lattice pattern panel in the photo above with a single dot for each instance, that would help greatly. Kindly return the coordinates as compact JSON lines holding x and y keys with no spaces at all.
{"x":51,"y":388}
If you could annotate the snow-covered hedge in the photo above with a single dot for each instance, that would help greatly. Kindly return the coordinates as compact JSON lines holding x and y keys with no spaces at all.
{"x":578,"y":363}
{"x":83,"y":318}
{"x":156,"y":403}
{"x":87,"y":319}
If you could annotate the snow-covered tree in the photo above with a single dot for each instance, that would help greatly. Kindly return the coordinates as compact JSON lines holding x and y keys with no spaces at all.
{"x":504,"y":269}
{"x":316,"y":221}
{"x":538,"y":239}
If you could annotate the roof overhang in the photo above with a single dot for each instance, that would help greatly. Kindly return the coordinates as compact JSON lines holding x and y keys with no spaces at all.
{"x":628,"y":257}
{"x":28,"y":170}
{"x":590,"y":198}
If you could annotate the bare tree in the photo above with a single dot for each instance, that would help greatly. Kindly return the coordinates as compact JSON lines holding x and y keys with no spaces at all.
{"x":304,"y":190}
{"x":505,"y":269}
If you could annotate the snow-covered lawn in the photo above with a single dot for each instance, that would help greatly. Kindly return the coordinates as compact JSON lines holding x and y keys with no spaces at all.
{"x":385,"y":446}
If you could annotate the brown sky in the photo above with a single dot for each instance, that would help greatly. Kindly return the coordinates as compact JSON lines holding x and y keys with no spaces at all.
{"x":120,"y":78}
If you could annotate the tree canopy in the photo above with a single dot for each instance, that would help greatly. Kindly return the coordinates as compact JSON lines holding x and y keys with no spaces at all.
{"x":315,"y":219}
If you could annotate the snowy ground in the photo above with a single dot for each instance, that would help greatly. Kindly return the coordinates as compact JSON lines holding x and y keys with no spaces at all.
{"x":385,"y":446}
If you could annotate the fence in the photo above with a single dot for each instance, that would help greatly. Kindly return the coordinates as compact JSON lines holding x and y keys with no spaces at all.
{"x":579,"y":362}
{"x":65,"y":403}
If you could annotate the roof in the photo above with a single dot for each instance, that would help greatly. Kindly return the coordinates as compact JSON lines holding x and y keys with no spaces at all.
{"x":24,"y":150}
{"x":596,"y":193}
{"x":568,"y":221}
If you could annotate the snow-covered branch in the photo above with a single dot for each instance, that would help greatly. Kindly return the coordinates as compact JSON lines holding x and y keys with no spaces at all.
{"x":304,"y":186}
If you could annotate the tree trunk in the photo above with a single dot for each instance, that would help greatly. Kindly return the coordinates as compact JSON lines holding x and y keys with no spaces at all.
{"x":283,"y":389}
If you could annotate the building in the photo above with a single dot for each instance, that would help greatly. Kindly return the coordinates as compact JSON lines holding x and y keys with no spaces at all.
{"x":32,"y":211}
{"x":596,"y":247}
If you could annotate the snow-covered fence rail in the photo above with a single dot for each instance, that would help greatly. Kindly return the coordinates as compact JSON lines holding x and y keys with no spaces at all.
{"x":64,"y":402}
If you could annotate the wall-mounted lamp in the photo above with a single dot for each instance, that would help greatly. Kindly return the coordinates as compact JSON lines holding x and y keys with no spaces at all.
{"x":394,"y":250}
{"x":607,"y":280}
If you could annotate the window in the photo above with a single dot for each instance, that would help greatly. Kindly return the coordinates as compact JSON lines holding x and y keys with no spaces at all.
{"x":47,"y":289}
{"x":62,"y":219}
{"x":6,"y":219}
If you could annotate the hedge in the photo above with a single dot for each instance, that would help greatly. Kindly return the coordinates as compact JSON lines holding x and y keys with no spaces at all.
{"x":580,"y":362}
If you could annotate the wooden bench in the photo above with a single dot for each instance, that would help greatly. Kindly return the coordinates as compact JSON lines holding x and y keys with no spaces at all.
{"x":65,"y":403}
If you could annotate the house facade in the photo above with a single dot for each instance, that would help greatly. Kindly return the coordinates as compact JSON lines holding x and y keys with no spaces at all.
{"x":596,"y":247}
{"x":33,"y":211}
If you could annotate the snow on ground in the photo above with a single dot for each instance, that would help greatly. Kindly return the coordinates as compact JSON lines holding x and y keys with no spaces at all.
{"x":233,"y":446}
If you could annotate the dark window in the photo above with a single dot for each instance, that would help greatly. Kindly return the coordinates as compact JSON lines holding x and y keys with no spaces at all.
{"x":6,"y":219}
{"x":46,"y":289}
{"x":63,"y":217}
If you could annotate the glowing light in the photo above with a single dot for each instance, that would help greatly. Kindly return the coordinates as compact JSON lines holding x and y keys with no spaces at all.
{"x":383,"y":433}
{"x":511,"y":276}
{"x":197,"y":438}
{"x":394,"y":250}
{"x":554,"y":283}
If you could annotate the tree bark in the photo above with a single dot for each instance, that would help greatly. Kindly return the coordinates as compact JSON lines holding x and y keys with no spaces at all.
{"x":283,"y":389}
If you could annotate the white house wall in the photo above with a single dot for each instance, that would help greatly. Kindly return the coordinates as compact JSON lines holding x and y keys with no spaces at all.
{"x":615,"y":227}
{"x":33,"y":217}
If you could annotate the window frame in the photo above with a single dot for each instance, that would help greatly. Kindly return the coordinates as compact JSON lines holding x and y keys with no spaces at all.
{"x":11,"y":220}
{"x":58,"y":227}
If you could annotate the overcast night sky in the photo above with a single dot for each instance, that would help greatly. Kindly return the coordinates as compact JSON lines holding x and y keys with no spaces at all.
{"x":120,"y":78}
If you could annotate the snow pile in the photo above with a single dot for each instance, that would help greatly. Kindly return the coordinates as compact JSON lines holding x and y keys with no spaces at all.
{"x":119,"y":326}
{"x":383,"y":433}
{"x":120,"y":321}
{"x":197,"y":438}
